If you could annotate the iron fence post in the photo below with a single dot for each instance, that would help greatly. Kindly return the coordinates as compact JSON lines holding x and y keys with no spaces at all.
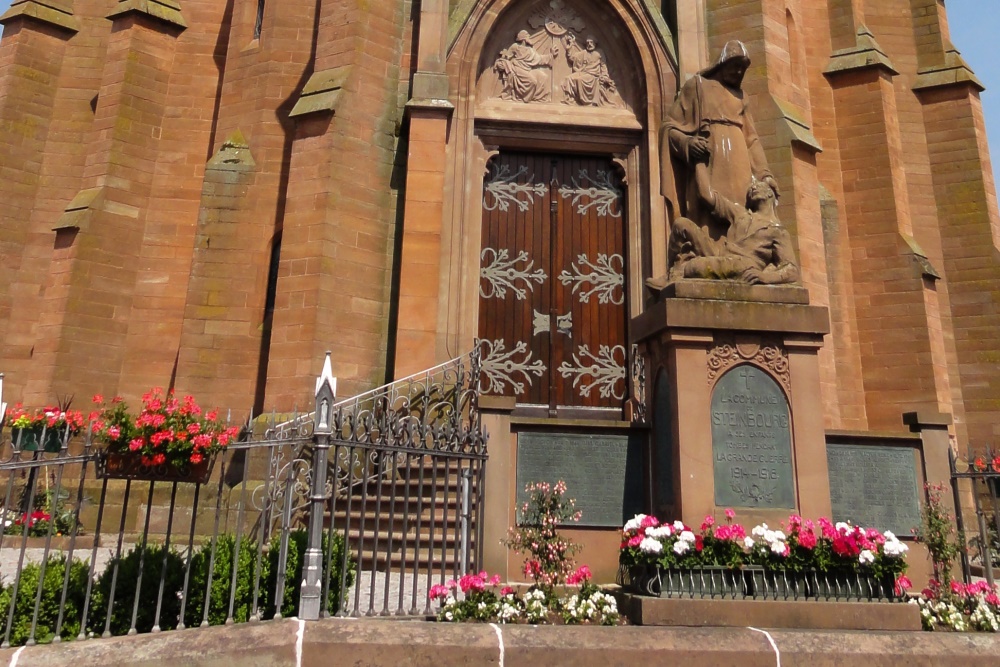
{"x":310,"y":599}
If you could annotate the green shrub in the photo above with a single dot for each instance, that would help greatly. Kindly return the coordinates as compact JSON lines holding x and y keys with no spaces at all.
{"x":124,"y":600}
{"x":48,"y":609}
{"x":298,"y":541}
{"x":222,"y":577}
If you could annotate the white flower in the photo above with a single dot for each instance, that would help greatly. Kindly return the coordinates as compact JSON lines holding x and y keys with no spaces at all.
{"x":650,"y":546}
{"x":866,"y":557}
{"x":895,"y":548}
{"x":681,"y":547}
{"x":889,"y":536}
{"x":635,"y":523}
{"x":660,"y":532}
{"x":778,"y":535}
{"x":678,"y":525}
{"x":841,"y":526}
{"x":687,"y":536}
{"x":758,"y":531}
{"x":748,"y":543}
{"x":778,"y":548}
{"x":770,"y":536}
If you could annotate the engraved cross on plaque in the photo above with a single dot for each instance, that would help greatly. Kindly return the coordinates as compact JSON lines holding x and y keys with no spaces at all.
{"x":747,"y":375}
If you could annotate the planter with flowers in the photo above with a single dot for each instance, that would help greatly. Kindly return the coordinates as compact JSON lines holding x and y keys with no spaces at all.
{"x":803,"y":559}
{"x":44,"y":430}
{"x":670,"y":560}
{"x":171,"y":439}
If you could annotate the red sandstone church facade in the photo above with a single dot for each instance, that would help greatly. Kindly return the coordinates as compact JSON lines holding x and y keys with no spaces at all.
{"x":209,"y":194}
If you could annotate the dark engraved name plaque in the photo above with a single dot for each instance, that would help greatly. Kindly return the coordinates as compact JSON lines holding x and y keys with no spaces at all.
{"x":751,"y":441}
{"x":874,"y":487}
{"x":602,"y":472}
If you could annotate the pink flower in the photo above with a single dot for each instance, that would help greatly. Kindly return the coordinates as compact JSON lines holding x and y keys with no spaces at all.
{"x":439,"y":592}
{"x":707,"y":523}
{"x":98,"y":398}
{"x":136,"y":444}
{"x":506,"y":590}
{"x":581,"y":575}
{"x":730,"y":513}
{"x":114,"y":432}
{"x":807,"y":539}
{"x":903,"y":583}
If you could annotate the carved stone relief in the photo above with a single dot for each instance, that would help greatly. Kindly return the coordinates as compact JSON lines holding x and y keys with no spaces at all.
{"x":729,"y":353}
{"x":546,"y":62}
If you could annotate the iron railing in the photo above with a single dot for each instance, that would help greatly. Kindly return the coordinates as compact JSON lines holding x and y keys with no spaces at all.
{"x":354,"y":510}
{"x":981,"y":552}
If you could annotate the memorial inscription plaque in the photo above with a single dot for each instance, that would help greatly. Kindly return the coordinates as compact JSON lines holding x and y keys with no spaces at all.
{"x":751,"y":441}
{"x":603,"y":473}
{"x":874,"y":486}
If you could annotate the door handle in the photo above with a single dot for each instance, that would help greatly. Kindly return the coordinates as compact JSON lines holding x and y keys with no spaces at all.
{"x":542,"y":323}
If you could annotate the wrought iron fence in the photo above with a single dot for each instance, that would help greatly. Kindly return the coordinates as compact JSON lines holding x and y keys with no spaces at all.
{"x":354,"y":510}
{"x":982,"y":548}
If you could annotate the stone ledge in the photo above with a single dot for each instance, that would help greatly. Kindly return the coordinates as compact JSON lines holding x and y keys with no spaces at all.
{"x":866,"y":54}
{"x":792,"y":615}
{"x":375,"y":643}
{"x":52,"y":12}
{"x":167,"y":11}
{"x":728,"y":290}
{"x":712,"y":315}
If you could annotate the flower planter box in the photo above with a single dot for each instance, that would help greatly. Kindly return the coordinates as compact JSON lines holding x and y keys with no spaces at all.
{"x":779,"y":584}
{"x":850,"y":586}
{"x":121,"y":465}
{"x":30,"y":439}
{"x":702,"y":582}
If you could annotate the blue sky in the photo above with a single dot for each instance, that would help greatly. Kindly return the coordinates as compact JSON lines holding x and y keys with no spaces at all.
{"x":974,"y":29}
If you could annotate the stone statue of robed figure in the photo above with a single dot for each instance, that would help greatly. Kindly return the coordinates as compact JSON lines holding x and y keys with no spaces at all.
{"x":723,"y":197}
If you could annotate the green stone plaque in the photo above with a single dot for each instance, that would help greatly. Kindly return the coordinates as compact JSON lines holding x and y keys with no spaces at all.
{"x":874,"y":486}
{"x":751,"y":441}
{"x":603,"y":473}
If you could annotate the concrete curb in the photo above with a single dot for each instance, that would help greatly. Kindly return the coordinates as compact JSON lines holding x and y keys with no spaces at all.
{"x":390,"y":643}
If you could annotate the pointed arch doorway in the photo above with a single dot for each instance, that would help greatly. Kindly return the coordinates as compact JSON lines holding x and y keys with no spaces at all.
{"x":552,"y":289}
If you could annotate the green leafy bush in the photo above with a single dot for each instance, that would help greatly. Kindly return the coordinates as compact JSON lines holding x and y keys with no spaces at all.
{"x":222,"y":577}
{"x":48,"y":608}
{"x":298,"y":541}
{"x":125,"y":591}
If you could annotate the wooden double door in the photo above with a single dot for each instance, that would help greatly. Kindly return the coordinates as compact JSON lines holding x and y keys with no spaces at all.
{"x":552,"y":287}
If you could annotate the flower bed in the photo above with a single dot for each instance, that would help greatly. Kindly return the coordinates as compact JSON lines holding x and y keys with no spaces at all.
{"x":479,"y":598}
{"x":548,"y":563}
{"x":802,"y":560}
{"x":960,"y":607}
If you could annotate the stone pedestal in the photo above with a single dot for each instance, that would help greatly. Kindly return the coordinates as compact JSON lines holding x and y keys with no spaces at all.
{"x":735,"y":402}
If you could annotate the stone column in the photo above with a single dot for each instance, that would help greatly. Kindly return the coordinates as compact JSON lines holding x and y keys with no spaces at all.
{"x":334,"y":276}
{"x":968,"y":224}
{"x":88,"y":300}
{"x":35,"y":37}
{"x":906,"y":366}
{"x":429,"y":110}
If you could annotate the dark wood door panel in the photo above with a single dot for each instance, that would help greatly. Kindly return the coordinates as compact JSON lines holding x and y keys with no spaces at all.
{"x":552,"y":283}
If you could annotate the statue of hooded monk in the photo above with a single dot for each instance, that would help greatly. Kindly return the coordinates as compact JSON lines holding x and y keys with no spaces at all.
{"x":709,"y":128}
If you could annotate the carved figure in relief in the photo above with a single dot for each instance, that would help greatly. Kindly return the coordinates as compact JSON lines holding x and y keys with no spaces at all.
{"x":524,"y":73}
{"x":756,"y":248}
{"x":710,"y":129}
{"x":589,"y":83}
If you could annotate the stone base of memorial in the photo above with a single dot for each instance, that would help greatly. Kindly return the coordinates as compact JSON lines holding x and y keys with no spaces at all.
{"x":780,"y":614}
{"x":735,"y":401}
